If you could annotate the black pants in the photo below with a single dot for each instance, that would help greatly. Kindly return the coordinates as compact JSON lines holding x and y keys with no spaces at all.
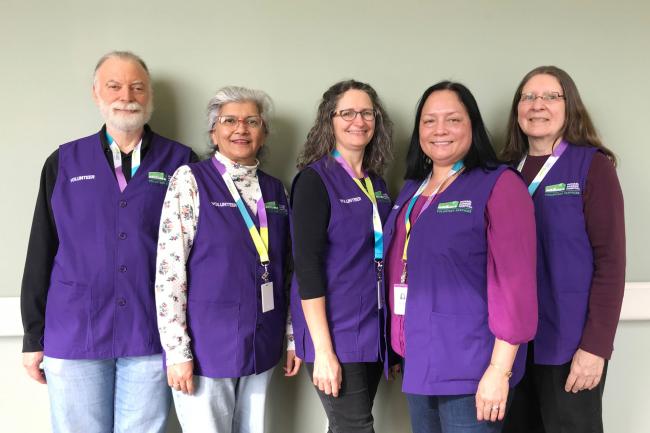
{"x":351,"y":411}
{"x":541,"y":405}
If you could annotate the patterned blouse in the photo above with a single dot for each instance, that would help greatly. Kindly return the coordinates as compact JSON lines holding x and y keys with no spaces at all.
{"x":179,"y":219}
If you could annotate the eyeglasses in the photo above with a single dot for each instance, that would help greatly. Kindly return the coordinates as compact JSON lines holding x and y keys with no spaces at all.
{"x":252,"y":122}
{"x":349,"y":114}
{"x":529,"y":98}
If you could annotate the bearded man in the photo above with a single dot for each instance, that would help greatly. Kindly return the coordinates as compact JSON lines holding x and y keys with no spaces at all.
{"x":87,"y":296}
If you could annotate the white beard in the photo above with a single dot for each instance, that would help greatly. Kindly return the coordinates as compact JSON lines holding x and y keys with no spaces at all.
{"x":123,"y":121}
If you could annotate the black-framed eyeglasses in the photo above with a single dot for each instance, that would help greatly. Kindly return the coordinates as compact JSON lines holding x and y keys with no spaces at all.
{"x":546,"y":97}
{"x":349,"y":114}
{"x":253,"y":122}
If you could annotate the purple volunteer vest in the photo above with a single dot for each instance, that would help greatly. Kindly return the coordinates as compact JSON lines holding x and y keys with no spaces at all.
{"x":231,"y":337}
{"x":355,"y":321}
{"x":100,"y":302}
{"x":448,"y":339}
{"x":565,"y":262}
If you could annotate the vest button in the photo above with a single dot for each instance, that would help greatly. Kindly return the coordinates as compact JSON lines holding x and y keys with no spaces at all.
{"x":123,"y":268}
{"x":122,"y":235}
{"x":123,"y":203}
{"x":121,"y":302}
{"x":258,"y":326}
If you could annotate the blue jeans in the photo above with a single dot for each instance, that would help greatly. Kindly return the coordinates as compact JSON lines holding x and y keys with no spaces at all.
{"x":447,"y":414}
{"x":121,"y":395}
{"x":225,"y":405}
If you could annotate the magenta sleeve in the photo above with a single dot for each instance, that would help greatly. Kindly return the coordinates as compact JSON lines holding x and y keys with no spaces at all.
{"x":511,"y":261}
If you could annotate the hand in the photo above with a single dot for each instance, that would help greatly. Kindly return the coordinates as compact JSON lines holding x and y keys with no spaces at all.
{"x":327,"y":373}
{"x":32,"y":363}
{"x":293,"y":364}
{"x":586,"y":371}
{"x":492,"y":395}
{"x":180,"y":377}
{"x":394,"y":371}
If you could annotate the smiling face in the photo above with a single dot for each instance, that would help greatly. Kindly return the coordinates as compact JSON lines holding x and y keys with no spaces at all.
{"x":353,"y":135}
{"x":122,"y":92}
{"x":445,"y":128}
{"x":240,"y":142}
{"x":542,"y":121}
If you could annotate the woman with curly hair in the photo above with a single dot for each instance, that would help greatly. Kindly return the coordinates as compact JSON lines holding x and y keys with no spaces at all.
{"x":339,"y":205}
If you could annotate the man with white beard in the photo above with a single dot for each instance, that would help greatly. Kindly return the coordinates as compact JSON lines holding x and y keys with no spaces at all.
{"x":87,"y":296}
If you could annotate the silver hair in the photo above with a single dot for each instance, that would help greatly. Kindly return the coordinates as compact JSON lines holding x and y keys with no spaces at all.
{"x":229,"y":94}
{"x":123,"y":55}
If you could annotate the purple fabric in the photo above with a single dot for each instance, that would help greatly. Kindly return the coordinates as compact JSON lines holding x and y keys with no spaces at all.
{"x":565,"y":258}
{"x":231,"y":337}
{"x":508,"y":267}
{"x":448,"y":328}
{"x":100,"y":301}
{"x":354,"y":319}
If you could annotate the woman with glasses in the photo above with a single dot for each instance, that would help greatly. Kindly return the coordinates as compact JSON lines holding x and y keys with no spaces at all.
{"x":460,"y":270}
{"x":581,"y":254}
{"x":222,"y":251}
{"x":339,"y":203}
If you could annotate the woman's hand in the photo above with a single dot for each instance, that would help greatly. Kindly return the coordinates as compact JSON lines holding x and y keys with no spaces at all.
{"x":32,"y":363}
{"x":180,"y":377}
{"x":585,"y":373}
{"x":394,"y":371}
{"x":492,"y":395}
{"x":293,"y":364}
{"x":327,"y":373}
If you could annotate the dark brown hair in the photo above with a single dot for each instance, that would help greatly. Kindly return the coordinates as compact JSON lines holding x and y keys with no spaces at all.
{"x":320,"y":139}
{"x":578,"y":128}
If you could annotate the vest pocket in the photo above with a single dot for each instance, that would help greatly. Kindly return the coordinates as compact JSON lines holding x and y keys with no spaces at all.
{"x":214,"y":330}
{"x":460,"y":346}
{"x":67,"y":318}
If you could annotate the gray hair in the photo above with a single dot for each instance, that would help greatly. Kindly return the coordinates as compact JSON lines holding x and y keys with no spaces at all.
{"x":123,"y":55}
{"x":229,"y":94}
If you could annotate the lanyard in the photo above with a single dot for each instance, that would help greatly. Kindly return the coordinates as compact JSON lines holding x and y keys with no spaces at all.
{"x":456,"y":168}
{"x":117,"y":160}
{"x":261,"y":237}
{"x":550,"y":162}
{"x":369,"y":191}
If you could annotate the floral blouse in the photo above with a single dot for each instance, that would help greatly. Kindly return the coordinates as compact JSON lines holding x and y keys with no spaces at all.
{"x":178,"y":223}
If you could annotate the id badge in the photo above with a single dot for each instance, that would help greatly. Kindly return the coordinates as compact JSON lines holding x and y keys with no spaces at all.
{"x":267,"y":297}
{"x":399,"y":298}
{"x":380,"y":301}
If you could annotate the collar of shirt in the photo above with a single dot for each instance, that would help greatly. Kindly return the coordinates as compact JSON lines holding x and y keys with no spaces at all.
{"x":245,"y":174}
{"x":146,"y":140}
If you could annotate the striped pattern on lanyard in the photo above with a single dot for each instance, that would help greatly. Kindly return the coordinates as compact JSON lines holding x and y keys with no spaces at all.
{"x":456,"y":168}
{"x":117,"y":160}
{"x":550,"y":162}
{"x":260,"y":237}
{"x":369,"y":192}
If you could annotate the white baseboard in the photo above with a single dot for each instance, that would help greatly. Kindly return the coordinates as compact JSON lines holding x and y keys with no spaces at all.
{"x":636,"y":306}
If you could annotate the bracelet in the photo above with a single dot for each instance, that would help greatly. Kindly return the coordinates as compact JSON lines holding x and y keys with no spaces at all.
{"x":508,"y":374}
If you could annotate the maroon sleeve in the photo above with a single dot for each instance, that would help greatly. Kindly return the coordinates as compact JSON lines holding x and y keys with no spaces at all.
{"x":604,"y":218}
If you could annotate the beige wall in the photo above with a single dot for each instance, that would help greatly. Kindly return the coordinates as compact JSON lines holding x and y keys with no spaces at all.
{"x":294,"y":50}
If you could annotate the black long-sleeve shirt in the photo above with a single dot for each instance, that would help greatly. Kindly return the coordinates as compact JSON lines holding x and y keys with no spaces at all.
{"x":44,"y":242}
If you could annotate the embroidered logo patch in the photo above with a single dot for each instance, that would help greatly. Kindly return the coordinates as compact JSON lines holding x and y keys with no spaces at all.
{"x":382,"y":196}
{"x":455,"y":206}
{"x":278,"y":208}
{"x":571,"y":188}
{"x":158,"y":177}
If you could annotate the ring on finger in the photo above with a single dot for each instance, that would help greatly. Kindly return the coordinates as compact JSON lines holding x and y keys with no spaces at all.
{"x":495,"y":407}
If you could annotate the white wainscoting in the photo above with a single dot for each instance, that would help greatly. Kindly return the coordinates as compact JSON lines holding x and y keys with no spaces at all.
{"x":636,"y":306}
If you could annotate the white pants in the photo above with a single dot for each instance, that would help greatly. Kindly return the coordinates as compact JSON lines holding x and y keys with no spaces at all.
{"x":224,"y":405}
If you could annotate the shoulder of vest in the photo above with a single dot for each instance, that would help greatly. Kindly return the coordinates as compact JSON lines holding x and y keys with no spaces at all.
{"x":79,"y":141}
